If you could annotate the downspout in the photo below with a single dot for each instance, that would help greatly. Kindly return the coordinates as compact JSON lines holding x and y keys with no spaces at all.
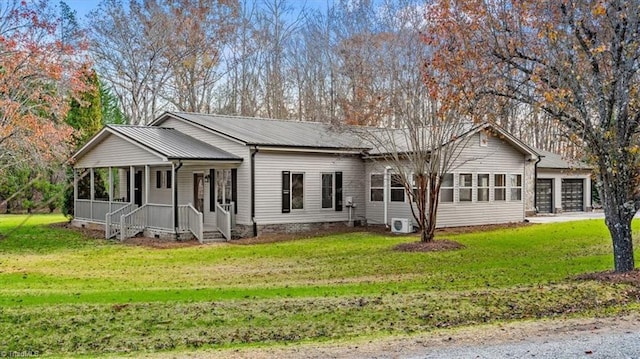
{"x":253,"y":190}
{"x":385,"y":194}
{"x":535,"y":184}
{"x":175,"y":197}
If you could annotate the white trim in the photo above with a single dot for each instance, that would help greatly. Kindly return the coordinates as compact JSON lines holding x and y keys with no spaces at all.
{"x":309,"y":150}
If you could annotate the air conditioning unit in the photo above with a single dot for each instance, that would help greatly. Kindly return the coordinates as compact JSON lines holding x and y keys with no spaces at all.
{"x":401,"y":225}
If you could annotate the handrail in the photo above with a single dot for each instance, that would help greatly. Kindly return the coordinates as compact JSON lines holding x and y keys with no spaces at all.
{"x":190,"y":219}
{"x":223,"y":220}
{"x":133,"y":222}
{"x":111,"y":227}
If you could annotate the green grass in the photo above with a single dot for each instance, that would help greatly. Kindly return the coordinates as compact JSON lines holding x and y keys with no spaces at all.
{"x":61,"y":293}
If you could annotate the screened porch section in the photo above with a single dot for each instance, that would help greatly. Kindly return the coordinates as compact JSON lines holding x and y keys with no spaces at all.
{"x":161,"y":200}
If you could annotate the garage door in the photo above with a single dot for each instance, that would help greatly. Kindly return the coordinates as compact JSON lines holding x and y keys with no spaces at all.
{"x":544,"y":197}
{"x":572,"y":195}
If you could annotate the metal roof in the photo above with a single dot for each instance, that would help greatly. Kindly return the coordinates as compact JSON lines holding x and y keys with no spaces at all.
{"x":172,"y":143}
{"x":268,"y":132}
{"x":554,"y":160}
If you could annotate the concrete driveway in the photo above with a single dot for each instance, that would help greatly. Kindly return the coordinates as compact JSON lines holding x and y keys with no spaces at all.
{"x":566,"y":217}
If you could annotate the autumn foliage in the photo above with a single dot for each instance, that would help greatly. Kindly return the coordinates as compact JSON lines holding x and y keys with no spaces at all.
{"x":38,"y":73}
{"x":577,"y":61}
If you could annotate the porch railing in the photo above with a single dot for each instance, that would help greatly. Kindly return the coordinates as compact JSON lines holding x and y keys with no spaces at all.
{"x":223,"y":219}
{"x":231,"y":208}
{"x":190,"y":219}
{"x":94,"y":211}
{"x":112,"y":220}
{"x":133,"y":223}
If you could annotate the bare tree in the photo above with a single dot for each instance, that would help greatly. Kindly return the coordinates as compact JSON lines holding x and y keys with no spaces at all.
{"x":579,"y":62}
{"x":127,"y":46}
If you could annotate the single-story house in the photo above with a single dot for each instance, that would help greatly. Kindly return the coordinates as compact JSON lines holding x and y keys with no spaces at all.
{"x":211,"y":176}
{"x":562,"y":185}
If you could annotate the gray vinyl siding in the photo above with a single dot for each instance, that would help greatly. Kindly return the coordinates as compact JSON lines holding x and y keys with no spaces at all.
{"x":269,"y":167}
{"x":238,"y":149}
{"x":159,"y":195}
{"x":115,"y":151}
{"x":498,"y":157}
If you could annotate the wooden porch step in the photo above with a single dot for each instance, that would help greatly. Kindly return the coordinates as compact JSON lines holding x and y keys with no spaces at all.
{"x":211,"y":236}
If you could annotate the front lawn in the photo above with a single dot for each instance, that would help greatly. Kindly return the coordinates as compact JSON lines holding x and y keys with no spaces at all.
{"x":62,"y":293}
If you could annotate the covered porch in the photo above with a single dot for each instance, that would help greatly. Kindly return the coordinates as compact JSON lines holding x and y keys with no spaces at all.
{"x":191,"y":192}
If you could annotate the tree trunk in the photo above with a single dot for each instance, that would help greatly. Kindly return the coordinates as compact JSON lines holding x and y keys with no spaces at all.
{"x":619,"y":212}
{"x":429,"y":231}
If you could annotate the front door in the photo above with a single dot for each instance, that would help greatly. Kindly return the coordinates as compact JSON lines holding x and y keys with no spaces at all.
{"x":198,"y":191}
{"x":137,"y":188}
{"x":544,"y":195}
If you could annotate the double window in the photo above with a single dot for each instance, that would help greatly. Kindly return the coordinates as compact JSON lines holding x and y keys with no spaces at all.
{"x":293,"y":191}
{"x":396,"y":188}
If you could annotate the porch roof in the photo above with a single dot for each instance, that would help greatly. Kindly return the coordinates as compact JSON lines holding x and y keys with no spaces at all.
{"x":166,"y":143}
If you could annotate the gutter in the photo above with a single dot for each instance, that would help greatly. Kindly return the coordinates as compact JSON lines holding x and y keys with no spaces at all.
{"x":175,"y":196}
{"x":385,"y":192}
{"x":253,"y":190}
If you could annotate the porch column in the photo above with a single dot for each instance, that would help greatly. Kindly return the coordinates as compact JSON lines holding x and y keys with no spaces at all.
{"x":132,"y":187}
{"x":146,"y":183}
{"x":75,"y":192}
{"x":110,"y":188}
{"x":173,"y":195}
{"x":92,"y":189}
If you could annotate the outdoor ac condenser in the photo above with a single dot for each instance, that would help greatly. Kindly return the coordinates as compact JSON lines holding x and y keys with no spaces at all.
{"x":401,"y":225}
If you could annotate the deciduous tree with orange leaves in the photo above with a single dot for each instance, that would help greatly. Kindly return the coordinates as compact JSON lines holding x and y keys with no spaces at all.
{"x":577,"y":60}
{"x":37,"y":73}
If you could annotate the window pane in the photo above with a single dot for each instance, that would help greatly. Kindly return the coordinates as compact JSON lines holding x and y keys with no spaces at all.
{"x":327,"y":190}
{"x":377,"y":195}
{"x":483,"y":194}
{"x":396,"y":181}
{"x":397,"y":195}
{"x":465,"y":195}
{"x":297,"y":191}
{"x":169,"y":179}
{"x":499,"y":194}
{"x":499,"y":180}
{"x":483,"y":180}
{"x":516,"y":180}
{"x":447,"y":180}
{"x":377,"y":180}
{"x":465,"y":180}
{"x":516,"y":194}
{"x":446,"y":195}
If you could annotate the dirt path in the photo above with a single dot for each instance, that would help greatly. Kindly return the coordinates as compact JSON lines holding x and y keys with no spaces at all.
{"x":462,"y":341}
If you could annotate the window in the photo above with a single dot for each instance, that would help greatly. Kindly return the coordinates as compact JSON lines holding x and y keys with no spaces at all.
{"x":515,"y":183}
{"x":499,"y":187}
{"x":224,"y":186}
{"x":416,"y":186}
{"x":377,"y":188}
{"x":397,"y":188}
{"x":297,"y":191}
{"x":158,"y":179}
{"x":327,"y":190}
{"x":169,"y":179}
{"x":446,"y":188}
{"x":483,"y":187}
{"x":465,"y":185}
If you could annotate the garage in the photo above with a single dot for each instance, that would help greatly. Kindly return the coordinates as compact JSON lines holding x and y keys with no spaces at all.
{"x":544,"y":195}
{"x":572,"y":195}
